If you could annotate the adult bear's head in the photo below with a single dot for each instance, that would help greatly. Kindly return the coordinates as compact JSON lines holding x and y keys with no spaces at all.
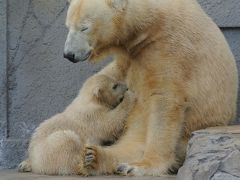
{"x":94,"y":26}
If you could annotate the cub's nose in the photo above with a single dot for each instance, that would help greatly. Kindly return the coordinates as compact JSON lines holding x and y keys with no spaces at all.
{"x":70,"y":57}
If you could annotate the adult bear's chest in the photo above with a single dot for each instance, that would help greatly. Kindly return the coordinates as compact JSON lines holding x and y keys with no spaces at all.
{"x":137,"y":78}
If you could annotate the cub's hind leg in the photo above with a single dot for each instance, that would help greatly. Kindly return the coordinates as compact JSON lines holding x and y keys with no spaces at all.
{"x":58,"y":154}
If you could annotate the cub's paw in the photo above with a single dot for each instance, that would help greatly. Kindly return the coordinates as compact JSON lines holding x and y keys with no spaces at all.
{"x":126,"y":169}
{"x":130,"y":98}
{"x":90,"y":157}
{"x":130,"y":94}
{"x":25,"y":166}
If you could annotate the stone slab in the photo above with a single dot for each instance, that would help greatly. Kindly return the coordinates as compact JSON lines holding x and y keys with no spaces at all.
{"x":40,"y":83}
{"x":14,"y":175}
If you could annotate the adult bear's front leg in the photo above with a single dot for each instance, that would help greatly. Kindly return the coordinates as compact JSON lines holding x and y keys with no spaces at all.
{"x":130,"y":147}
{"x":165,"y":119}
{"x":98,"y":160}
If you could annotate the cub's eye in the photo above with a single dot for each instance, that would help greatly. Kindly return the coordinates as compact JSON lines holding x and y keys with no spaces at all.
{"x":115,"y":86}
{"x":84,"y":29}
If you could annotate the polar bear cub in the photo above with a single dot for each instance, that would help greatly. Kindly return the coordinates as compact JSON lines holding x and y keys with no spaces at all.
{"x":96,"y":115}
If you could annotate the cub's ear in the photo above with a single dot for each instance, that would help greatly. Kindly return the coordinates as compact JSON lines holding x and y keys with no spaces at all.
{"x":69,"y":1}
{"x":118,"y":4}
{"x":97,"y":92}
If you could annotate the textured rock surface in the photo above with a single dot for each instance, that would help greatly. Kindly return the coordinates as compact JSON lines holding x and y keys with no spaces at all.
{"x":212,"y":155}
{"x":36,"y":82}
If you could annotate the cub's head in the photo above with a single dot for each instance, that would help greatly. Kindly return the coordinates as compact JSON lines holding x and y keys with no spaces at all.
{"x":94,"y":26}
{"x":104,"y":90}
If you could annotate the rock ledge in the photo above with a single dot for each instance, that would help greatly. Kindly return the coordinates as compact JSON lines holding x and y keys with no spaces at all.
{"x":213,"y":154}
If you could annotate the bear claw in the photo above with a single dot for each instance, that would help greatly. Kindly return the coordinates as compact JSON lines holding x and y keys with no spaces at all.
{"x":90,"y":157}
{"x":24,"y":167}
{"x":127,"y":170}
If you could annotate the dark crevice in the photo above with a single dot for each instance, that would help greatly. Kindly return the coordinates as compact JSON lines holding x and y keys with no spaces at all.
{"x":230,"y":28}
{"x":7,"y":80}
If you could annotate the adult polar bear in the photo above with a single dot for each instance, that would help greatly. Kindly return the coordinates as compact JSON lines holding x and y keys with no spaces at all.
{"x":177,"y":62}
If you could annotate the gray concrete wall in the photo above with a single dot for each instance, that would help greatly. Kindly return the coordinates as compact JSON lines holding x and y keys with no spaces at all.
{"x":36,"y":82}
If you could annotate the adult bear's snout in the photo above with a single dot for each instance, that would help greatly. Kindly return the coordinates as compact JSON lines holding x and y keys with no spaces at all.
{"x":80,"y":56}
{"x":77,"y":47}
{"x":70,"y":57}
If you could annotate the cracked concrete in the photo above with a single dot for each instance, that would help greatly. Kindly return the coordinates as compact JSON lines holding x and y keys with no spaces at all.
{"x":36,"y":82}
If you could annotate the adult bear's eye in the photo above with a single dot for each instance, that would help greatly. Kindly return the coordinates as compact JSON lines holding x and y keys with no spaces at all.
{"x":84,"y":29}
{"x":115,"y":86}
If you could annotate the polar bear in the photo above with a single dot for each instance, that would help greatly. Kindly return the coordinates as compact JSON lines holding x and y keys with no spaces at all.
{"x":177,"y":62}
{"x":96,"y":115}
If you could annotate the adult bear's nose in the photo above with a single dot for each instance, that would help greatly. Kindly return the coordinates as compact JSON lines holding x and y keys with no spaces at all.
{"x":70,"y":57}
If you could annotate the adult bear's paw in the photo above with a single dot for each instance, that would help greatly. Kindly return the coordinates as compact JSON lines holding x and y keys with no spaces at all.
{"x":142,"y":168}
{"x":126,"y":169}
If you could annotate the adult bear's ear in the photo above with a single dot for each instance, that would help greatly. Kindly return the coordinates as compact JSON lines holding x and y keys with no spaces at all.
{"x":118,"y":4}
